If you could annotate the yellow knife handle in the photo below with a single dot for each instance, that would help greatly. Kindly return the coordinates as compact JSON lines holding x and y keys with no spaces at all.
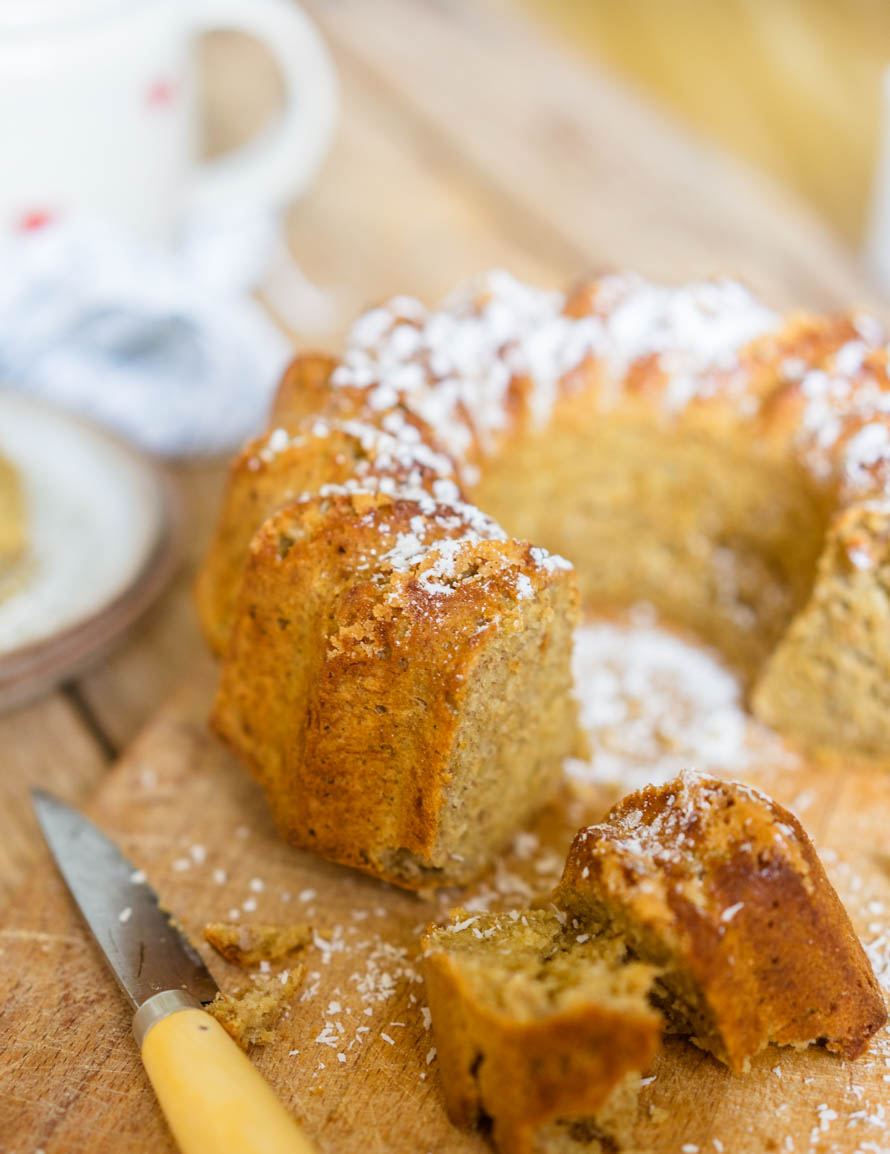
{"x":213,"y":1098}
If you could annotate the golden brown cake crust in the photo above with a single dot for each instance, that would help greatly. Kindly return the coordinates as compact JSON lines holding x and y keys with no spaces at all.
{"x":724,"y":885}
{"x":402,"y":616}
{"x":303,"y":391}
{"x":521,"y":1071}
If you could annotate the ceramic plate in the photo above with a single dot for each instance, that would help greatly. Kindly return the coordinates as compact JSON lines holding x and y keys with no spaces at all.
{"x":99,"y":544}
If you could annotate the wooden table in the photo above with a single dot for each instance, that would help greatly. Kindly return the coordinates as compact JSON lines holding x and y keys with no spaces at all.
{"x":467,"y":139}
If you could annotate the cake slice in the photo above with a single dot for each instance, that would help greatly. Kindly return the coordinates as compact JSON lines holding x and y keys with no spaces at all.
{"x":399,"y":681}
{"x":541,"y":1031}
{"x":721,"y":889}
{"x":835,"y":651}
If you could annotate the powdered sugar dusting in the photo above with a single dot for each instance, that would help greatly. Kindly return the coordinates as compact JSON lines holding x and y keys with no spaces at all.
{"x":878,"y":951}
{"x":845,"y":424}
{"x":865,"y":449}
{"x":692,"y":329}
{"x":497,"y":345}
{"x":653,"y":705}
{"x":552,"y":562}
{"x":425,"y":537}
{"x":670,"y":832}
{"x":395,"y":447}
{"x":455,"y":366}
{"x":426,"y":550}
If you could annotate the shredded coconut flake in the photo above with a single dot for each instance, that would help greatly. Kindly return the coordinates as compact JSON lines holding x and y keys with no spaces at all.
{"x":652,"y":705}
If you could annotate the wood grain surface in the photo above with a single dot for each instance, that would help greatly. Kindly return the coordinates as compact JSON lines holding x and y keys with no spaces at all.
{"x":467,"y":139}
{"x":791,"y":87}
{"x":354,"y":1059}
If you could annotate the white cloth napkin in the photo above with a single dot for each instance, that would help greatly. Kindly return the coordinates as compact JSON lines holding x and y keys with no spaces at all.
{"x":166,"y":347}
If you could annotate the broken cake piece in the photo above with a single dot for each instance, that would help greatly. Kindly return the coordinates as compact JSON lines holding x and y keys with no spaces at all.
{"x":720,"y":888}
{"x":251,"y":1014}
{"x":699,"y":905}
{"x":249,"y":945}
{"x":541,"y":1031}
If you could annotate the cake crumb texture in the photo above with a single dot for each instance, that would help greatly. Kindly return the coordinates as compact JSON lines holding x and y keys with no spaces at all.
{"x":251,"y":1014}
{"x":540,"y":1033}
{"x":248,"y":945}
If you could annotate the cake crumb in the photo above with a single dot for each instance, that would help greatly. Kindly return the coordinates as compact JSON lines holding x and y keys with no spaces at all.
{"x":250,"y":1015}
{"x":250,"y":945}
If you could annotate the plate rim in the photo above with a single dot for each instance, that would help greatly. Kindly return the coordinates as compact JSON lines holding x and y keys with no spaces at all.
{"x":37,"y":666}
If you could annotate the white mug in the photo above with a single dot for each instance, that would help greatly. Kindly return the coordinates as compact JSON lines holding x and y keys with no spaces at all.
{"x":98,"y":112}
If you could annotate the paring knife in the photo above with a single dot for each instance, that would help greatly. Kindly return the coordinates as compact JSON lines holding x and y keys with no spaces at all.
{"x":214,"y":1101}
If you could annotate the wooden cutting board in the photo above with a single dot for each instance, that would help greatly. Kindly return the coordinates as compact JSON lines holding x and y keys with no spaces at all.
{"x":355,"y":1060}
{"x":467,"y":140}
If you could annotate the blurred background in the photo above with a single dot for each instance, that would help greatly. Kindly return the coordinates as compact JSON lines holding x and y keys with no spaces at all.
{"x":791,"y":86}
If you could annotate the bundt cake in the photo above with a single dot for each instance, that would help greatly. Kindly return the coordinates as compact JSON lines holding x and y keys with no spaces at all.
{"x":541,"y":1031}
{"x":720,"y":888}
{"x":12,"y":516}
{"x":680,"y":445}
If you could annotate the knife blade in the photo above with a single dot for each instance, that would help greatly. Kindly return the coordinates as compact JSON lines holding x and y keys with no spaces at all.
{"x":214,"y":1100}
{"x":146,"y":952}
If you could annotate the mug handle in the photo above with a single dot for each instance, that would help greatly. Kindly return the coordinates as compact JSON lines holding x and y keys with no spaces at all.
{"x":277,"y":166}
